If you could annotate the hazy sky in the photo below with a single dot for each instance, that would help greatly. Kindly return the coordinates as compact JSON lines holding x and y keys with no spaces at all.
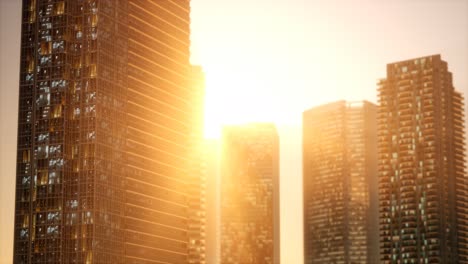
{"x":268,"y":60}
{"x":271,"y":59}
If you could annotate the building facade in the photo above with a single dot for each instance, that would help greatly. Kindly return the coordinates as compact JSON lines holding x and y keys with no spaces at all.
{"x":423,"y":189}
{"x":250,"y":195}
{"x":105,"y":118}
{"x":340,"y":183}
{"x":211,"y":168}
{"x":197,"y":187}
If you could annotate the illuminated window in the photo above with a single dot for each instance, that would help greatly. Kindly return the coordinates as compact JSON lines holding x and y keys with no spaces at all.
{"x":59,"y":8}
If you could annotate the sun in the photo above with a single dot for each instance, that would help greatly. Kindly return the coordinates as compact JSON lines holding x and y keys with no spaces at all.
{"x":236,"y":97}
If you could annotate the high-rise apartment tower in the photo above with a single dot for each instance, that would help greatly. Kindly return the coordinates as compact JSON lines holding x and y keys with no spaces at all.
{"x":423,"y":188}
{"x":340,"y":183}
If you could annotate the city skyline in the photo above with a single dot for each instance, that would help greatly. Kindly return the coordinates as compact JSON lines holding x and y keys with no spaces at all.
{"x":316,"y":52}
{"x":447,"y":21}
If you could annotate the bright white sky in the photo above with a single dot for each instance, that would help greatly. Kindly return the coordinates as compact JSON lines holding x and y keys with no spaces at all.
{"x":268,"y":60}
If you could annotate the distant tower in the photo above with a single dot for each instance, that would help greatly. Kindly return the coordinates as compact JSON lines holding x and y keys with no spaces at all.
{"x":211,"y":164}
{"x":197,"y":188}
{"x":423,"y":188}
{"x":106,"y":112}
{"x":250,"y":195}
{"x":340,"y":183}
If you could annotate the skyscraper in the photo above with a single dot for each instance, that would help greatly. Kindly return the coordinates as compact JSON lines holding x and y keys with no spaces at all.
{"x":423,"y":188}
{"x":211,"y":160}
{"x":105,"y":117}
{"x":340,"y":183}
{"x":197,"y":187}
{"x":250,"y":195}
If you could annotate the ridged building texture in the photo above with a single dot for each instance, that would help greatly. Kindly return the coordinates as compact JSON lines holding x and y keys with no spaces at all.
{"x":250,"y":195}
{"x":340,"y":183}
{"x":104,"y":142}
{"x":423,"y":186}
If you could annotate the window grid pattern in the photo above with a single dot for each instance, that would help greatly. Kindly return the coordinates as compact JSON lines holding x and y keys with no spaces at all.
{"x":340,"y":174}
{"x":249,"y":195}
{"x":104,"y":140}
{"x":422,"y":180}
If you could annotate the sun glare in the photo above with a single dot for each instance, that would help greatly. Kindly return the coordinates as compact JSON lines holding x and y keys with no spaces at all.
{"x":236,"y":100}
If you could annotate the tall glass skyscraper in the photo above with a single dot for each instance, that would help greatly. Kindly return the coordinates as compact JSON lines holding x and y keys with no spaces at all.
{"x":250,"y":195}
{"x":340,"y":183}
{"x":104,"y":141}
{"x":423,"y":185}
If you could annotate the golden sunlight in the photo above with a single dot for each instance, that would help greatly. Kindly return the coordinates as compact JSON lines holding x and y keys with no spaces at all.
{"x":231,"y":100}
